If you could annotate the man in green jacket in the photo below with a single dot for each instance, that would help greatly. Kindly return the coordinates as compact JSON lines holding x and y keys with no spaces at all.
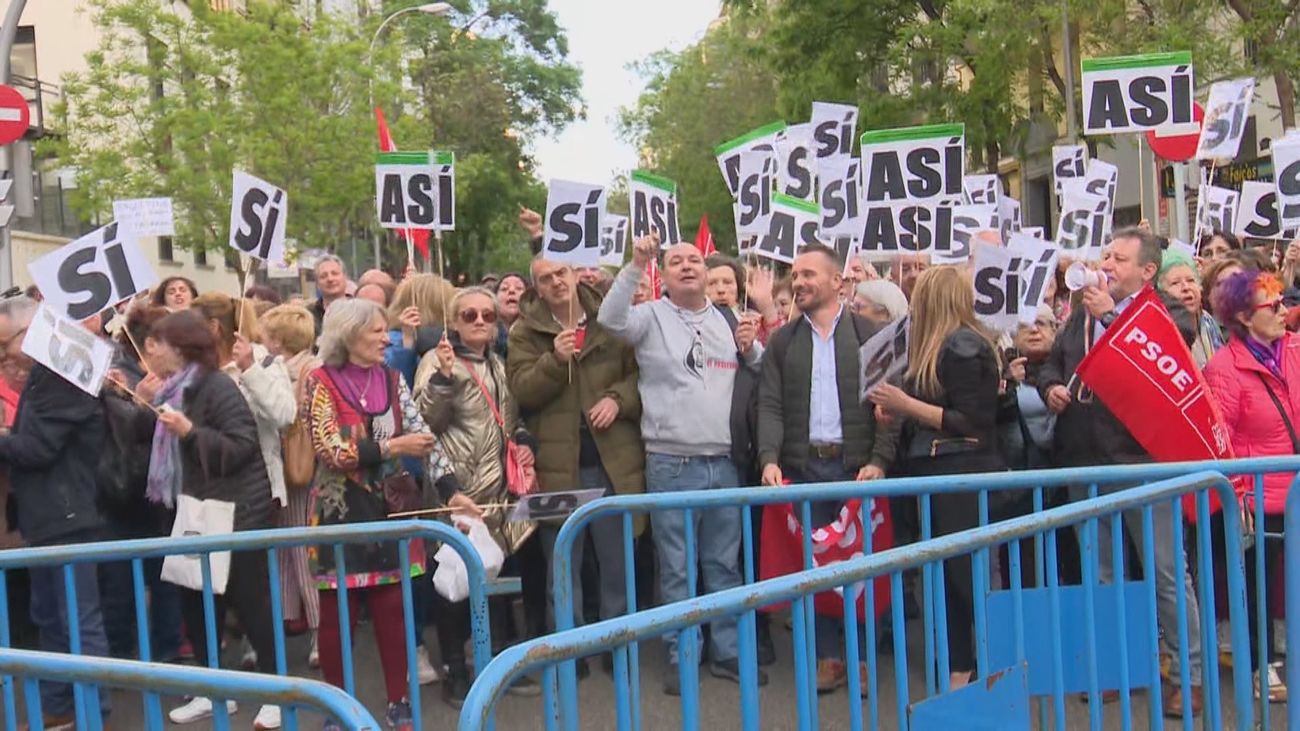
{"x":576,"y":386}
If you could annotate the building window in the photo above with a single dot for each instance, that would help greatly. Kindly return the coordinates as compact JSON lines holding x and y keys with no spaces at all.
{"x":165,"y":250}
{"x":200,"y":257}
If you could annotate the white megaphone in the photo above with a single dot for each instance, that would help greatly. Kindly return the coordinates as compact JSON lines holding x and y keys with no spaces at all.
{"x":1079,"y":276}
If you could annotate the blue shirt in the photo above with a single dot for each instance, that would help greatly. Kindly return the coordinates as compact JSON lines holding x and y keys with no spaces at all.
{"x":1098,"y":329}
{"x":824,"y":425}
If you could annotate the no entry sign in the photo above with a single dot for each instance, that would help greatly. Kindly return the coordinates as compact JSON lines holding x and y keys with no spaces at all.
{"x":14,"y":115}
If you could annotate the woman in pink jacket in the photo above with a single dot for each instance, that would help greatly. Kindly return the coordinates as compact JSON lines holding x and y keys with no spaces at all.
{"x":1256,"y":379}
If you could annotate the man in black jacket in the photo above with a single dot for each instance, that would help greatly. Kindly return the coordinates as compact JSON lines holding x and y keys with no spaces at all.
{"x":811,"y":424}
{"x":1087,"y":434}
{"x":52,"y":454}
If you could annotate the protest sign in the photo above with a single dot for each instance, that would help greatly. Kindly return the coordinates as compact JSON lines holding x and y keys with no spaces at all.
{"x":1035,"y":231}
{"x":552,"y":505}
{"x":884,"y":356}
{"x":444,"y":169}
{"x":1081,"y":229}
{"x":1143,"y":372}
{"x":93,"y":273}
{"x":1004,"y":279}
{"x":967,"y":221}
{"x":1216,"y":209}
{"x":792,"y":225}
{"x":980,"y":190}
{"x":654,"y":207}
{"x":910,"y":179}
{"x":832,"y":130}
{"x":1137,"y":93}
{"x":754,"y":203}
{"x":1037,"y":269}
{"x":796,"y":170}
{"x":1286,"y":179}
{"x":406,"y":195}
{"x":781,"y":551}
{"x":1257,"y":213}
{"x":574,"y":212}
{"x":613,"y":240}
{"x":841,"y":204}
{"x":281,"y":270}
{"x":845,"y":249}
{"x":1009,"y":220}
{"x":258,"y":213}
{"x":144,"y":217}
{"x":1101,"y":178}
{"x":1225,"y":119}
{"x":1068,"y":163}
{"x":729,"y":153}
{"x":68,"y":349}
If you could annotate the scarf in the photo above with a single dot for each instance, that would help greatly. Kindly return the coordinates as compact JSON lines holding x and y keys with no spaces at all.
{"x":164,"y":482}
{"x":1269,"y":356}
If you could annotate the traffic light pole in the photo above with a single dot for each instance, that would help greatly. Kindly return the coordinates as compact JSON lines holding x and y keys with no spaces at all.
{"x":8,"y":33}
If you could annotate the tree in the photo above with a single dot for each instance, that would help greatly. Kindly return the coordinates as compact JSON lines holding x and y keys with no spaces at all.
{"x":1270,"y":30}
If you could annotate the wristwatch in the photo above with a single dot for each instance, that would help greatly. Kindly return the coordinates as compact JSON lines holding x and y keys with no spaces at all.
{"x":1107,"y":318}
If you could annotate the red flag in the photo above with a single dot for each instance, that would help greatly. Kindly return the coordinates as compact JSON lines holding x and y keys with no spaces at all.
{"x":1144,"y":373}
{"x":781,"y":552}
{"x":656,"y":286}
{"x":417,"y":236}
{"x":704,"y":238}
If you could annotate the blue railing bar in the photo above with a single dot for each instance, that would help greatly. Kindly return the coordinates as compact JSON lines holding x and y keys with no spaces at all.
{"x":187,"y":680}
{"x":1291,"y":525}
{"x":524,"y":657}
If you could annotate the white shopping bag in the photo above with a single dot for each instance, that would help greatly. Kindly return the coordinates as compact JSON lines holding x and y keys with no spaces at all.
{"x":196,"y":517}
{"x":451,"y":579}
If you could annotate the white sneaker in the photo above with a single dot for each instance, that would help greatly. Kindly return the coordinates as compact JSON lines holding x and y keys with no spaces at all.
{"x":424,"y":669}
{"x":267,"y":718}
{"x":1277,"y":692}
{"x":197,"y":710}
{"x":313,"y":656}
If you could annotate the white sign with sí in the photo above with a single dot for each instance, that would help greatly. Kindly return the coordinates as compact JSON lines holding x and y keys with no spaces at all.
{"x":551,"y":505}
{"x":967,"y":221}
{"x":1038,"y":258}
{"x":258,"y":213}
{"x":1286,"y":180}
{"x":884,"y":355}
{"x":1226,"y":113}
{"x":68,"y":349}
{"x":832,"y":130}
{"x":93,"y":273}
{"x":1081,"y":230}
{"x":981,"y":190}
{"x":574,"y":212}
{"x":1216,"y":209}
{"x":1068,"y":162}
{"x":754,"y":200}
{"x":1137,"y":93}
{"x":1009,"y":217}
{"x":1257,"y":213}
{"x":144,"y":217}
{"x":793,"y":224}
{"x":613,"y":240}
{"x":654,"y":207}
{"x":1005,"y":290}
{"x":729,"y":153}
{"x":796,"y":170}
{"x":841,"y":204}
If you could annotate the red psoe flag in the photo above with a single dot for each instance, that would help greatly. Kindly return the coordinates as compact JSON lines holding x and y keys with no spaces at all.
{"x":419,"y":237}
{"x":1143,"y":372}
{"x":781,"y":552}
{"x":704,"y":238}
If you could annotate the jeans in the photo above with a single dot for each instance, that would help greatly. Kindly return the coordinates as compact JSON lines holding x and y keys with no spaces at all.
{"x":50,"y":614}
{"x":717,"y":540}
{"x":607,"y":538}
{"x":1162,"y":516}
{"x":829,"y":630}
{"x":117,"y":598}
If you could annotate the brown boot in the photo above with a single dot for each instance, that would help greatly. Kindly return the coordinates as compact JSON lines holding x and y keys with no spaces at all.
{"x":831,"y":674}
{"x":1173,"y":701}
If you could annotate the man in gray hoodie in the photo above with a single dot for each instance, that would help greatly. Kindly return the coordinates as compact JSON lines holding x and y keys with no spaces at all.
{"x":688,"y":358}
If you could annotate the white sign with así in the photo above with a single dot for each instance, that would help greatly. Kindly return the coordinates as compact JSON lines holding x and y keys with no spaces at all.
{"x":1137,"y":93}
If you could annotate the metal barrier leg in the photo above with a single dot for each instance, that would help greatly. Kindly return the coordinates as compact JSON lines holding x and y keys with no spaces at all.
{"x":152,"y":703}
{"x":10,"y":699}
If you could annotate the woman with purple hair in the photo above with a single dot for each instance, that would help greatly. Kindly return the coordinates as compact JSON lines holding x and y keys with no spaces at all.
{"x":1256,"y":379}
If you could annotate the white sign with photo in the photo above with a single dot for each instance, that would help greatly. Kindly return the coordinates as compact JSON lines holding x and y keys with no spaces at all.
{"x":1216,"y":209}
{"x":1226,"y":113}
{"x":884,"y":356}
{"x":68,"y":349}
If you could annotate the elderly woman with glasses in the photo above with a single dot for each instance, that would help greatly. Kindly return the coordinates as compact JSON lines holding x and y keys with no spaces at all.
{"x":1256,"y":380}
{"x":1180,"y":279}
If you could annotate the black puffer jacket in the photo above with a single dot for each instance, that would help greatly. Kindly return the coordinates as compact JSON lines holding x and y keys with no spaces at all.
{"x":51,"y":456}
{"x":220,"y":457}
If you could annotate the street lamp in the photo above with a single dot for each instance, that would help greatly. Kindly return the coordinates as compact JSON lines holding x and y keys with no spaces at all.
{"x":437,"y":9}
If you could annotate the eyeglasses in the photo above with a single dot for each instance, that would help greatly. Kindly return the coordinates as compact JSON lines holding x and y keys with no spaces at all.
{"x":1275,"y":306}
{"x":469,"y":317}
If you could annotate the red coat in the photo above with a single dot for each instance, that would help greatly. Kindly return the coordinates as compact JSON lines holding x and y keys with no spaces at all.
{"x":1256,"y":427}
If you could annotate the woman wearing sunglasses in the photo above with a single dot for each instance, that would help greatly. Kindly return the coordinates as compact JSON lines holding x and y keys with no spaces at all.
{"x":1256,"y":379}
{"x":463,"y":395}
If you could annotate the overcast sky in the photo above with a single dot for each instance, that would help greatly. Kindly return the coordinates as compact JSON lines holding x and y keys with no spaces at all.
{"x":604,"y":36}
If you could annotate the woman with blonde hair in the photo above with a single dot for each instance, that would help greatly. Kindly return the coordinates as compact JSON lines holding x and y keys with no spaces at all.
{"x":418,"y":307}
{"x":288,"y":332}
{"x":948,"y":404}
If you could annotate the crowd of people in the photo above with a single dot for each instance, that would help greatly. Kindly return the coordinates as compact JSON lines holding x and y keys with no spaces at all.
{"x":381,"y":396}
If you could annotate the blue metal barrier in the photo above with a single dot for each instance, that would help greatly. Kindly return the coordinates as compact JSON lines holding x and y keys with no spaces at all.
{"x":619,"y":635}
{"x":178,"y":680}
{"x":271,"y":541}
{"x":625,"y":506}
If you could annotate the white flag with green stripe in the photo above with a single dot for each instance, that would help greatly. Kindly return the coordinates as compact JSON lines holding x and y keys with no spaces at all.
{"x":729,"y":153}
{"x":416,"y":190}
{"x":1136,"y":93}
{"x":794,"y":222}
{"x":911,"y":179}
{"x":654,"y":207}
